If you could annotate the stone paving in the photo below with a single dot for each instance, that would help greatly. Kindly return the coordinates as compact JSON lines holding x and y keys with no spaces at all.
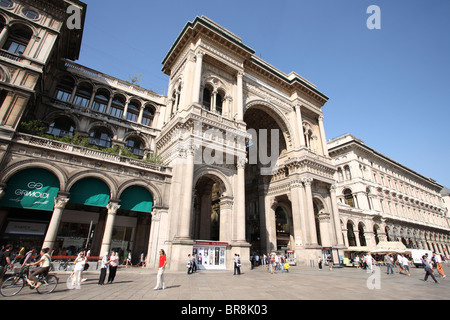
{"x":300,"y":283}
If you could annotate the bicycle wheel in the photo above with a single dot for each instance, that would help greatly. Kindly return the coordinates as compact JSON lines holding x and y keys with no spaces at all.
{"x":12,"y":286}
{"x":48,"y":285}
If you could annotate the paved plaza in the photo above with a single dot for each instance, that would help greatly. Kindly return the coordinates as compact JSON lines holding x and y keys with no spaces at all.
{"x":301,"y":283}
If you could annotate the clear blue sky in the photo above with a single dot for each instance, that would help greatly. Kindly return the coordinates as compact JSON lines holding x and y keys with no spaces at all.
{"x":387,"y":87}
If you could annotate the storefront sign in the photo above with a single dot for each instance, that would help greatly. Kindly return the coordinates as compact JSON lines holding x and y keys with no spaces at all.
{"x":29,"y":228}
{"x":31,"y":189}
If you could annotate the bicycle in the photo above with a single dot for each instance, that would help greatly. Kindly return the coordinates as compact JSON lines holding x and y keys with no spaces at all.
{"x":14,"y":284}
{"x":66,"y":265}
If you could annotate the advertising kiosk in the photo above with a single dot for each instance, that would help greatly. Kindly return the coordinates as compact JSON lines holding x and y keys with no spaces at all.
{"x":210,"y":255}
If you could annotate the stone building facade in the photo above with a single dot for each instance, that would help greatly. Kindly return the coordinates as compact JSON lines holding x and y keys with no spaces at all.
{"x":380,"y":199}
{"x":234,"y":160}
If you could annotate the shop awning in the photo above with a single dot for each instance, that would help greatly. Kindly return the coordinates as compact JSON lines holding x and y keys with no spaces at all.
{"x":136,"y":198}
{"x":91,"y":192}
{"x":32,"y":188}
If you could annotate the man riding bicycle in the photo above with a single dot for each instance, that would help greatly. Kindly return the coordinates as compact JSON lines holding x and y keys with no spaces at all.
{"x":44,"y":267}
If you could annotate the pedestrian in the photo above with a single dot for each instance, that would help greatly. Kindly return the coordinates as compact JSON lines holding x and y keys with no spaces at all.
{"x":128,"y":259}
{"x":272,"y":263}
{"x":80,"y":261}
{"x":160,"y":284}
{"x":189,"y":264}
{"x":5,"y":261}
{"x":405,"y":264}
{"x":357,"y":261}
{"x":399,"y":263}
{"x":428,"y":269}
{"x":319,"y":262}
{"x":438,"y":261}
{"x":389,"y":263}
{"x":237,"y":264}
{"x":194,"y":263}
{"x":103,"y":268}
{"x":330,"y":262}
{"x":113,"y":263}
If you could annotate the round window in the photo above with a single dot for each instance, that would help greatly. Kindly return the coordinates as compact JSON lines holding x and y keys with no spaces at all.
{"x":30,"y":14}
{"x":6,"y":3}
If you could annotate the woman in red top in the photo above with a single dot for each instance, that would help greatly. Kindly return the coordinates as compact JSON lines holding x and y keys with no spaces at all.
{"x":161,"y":267}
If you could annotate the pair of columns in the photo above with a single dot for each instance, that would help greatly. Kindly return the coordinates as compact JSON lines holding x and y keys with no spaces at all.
{"x":60,"y":203}
{"x":185,"y":221}
{"x":304,"y":220}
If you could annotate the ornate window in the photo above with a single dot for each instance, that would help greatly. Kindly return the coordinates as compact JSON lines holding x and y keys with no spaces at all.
{"x":83,"y":95}
{"x":100,"y":137}
{"x":148,"y":115}
{"x":18,"y":39}
{"x":135,"y":146}
{"x":133,"y":111}
{"x":348,"y":196}
{"x":64,"y":89}
{"x":61,"y":127}
{"x":117,"y":106}
{"x":101,"y":99}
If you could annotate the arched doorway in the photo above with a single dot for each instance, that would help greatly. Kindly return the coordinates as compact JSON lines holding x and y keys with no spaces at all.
{"x":267,"y":145}
{"x":283,"y":227}
{"x":208,"y":191}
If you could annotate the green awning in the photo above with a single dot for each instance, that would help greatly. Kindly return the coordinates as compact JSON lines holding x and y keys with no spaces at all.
{"x":32,"y":188}
{"x":91,"y":192}
{"x":136,"y":198}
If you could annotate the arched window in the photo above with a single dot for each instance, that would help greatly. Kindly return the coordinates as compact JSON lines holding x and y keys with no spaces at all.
{"x":18,"y":39}
{"x":351,"y":235}
{"x":219,"y":101}
{"x":349,"y":197}
{"x":64,"y":89}
{"x":348,"y":174}
{"x":282,"y":221}
{"x":148,"y":115}
{"x":61,"y":127}
{"x":100,"y":137}
{"x":135,"y":146}
{"x":133,"y":111}
{"x":101,"y":100}
{"x":83,"y":95}
{"x":207,"y":94}
{"x":362,"y":237}
{"x":340,"y":175}
{"x":117,"y":106}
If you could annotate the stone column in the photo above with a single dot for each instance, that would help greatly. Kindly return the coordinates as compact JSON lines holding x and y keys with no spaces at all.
{"x":112,"y":207}
{"x":226,"y":209}
{"x":4,"y":35}
{"x":324,"y":224}
{"x":240,"y":200}
{"x":335,"y":217}
{"x":184,"y":225}
{"x":240,"y":96}
{"x":197,"y":77}
{"x":310,"y":220}
{"x":298,"y":112}
{"x":323,"y":137}
{"x":50,"y":237}
{"x":298,"y":212}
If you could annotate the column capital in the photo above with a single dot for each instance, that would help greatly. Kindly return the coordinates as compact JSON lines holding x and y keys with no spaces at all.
{"x":112,"y":207}
{"x":61,"y":201}
{"x":307,"y":181}
{"x":241,"y":162}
